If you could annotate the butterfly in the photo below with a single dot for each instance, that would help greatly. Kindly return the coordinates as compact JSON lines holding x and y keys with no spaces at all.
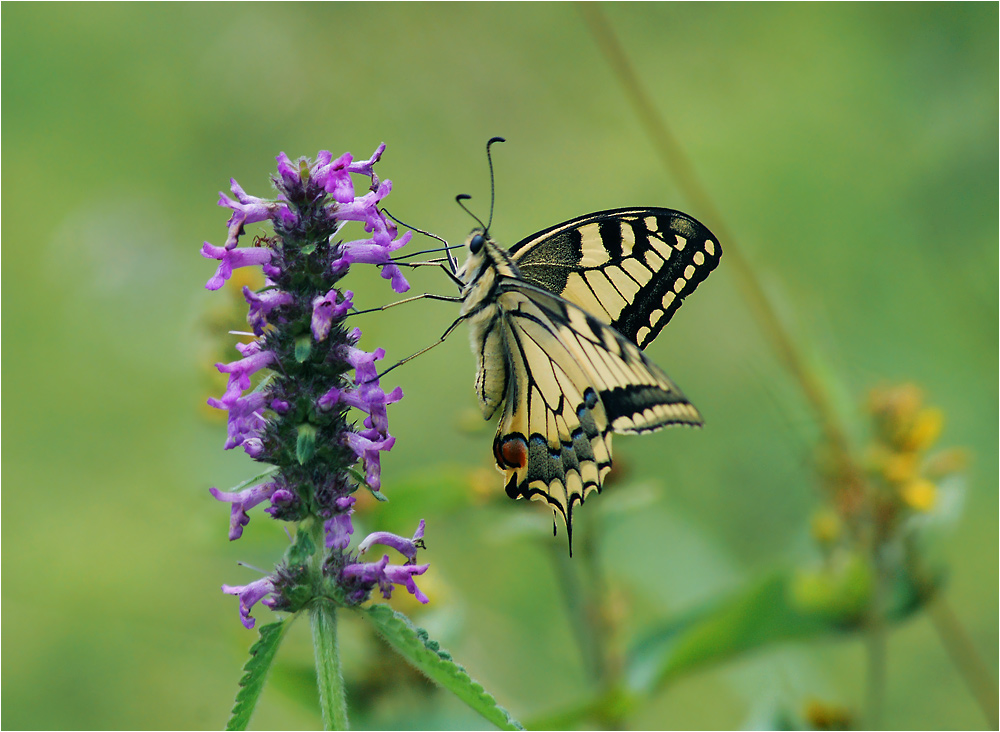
{"x":558,"y":323}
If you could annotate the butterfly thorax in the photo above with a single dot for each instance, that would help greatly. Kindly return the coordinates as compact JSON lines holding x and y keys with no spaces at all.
{"x":485,"y":266}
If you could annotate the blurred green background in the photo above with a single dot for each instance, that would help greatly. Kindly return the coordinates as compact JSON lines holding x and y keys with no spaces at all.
{"x":852,"y":148}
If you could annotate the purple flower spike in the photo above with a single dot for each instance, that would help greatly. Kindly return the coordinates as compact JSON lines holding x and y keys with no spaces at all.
{"x":249,"y":596}
{"x":241,"y":503}
{"x":325,"y":309}
{"x":406,"y":547}
{"x":294,"y":420}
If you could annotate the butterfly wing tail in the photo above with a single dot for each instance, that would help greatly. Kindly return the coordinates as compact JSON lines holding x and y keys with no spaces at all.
{"x":553,"y":441}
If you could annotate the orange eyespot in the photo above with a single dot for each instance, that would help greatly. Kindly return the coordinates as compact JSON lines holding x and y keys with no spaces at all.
{"x":511,"y":452}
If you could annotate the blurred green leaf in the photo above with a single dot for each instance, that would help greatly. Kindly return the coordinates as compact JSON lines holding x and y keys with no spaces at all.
{"x":759,"y":615}
{"x":430,"y":659}
{"x":255,"y":673}
{"x":781,"y":607}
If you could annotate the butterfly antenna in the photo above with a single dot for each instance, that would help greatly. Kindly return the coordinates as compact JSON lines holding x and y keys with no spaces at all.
{"x":419,"y":231}
{"x":489,"y":159}
{"x":452,"y":263}
{"x":465,"y":197}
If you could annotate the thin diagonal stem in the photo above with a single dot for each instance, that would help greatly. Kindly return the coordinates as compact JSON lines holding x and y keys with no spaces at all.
{"x":677,"y":164}
{"x":973,"y":671}
{"x":577,"y":604}
{"x":965,"y":656}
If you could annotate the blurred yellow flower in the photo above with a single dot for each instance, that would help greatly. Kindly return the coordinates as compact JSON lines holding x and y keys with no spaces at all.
{"x":924,"y":431}
{"x":919,"y":494}
{"x":826,"y":526}
{"x":900,"y":467}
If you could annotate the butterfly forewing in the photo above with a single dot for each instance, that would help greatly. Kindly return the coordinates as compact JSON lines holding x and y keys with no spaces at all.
{"x":631,"y":267}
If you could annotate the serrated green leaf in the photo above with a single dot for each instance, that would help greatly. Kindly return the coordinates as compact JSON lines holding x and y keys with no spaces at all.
{"x":424,"y":654}
{"x":255,"y":674}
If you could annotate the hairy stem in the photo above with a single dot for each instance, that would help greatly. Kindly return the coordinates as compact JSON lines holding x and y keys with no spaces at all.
{"x":332,"y":699}
{"x":323,"y":619}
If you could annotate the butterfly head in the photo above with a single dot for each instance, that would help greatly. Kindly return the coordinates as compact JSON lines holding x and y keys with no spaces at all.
{"x":477,"y":246}
{"x":477,"y":239}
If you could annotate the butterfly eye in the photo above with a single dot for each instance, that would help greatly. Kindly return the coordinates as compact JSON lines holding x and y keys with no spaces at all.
{"x":476,"y":243}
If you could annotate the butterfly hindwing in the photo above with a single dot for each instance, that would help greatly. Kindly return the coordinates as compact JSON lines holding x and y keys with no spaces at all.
{"x":571,"y":382}
{"x":631,"y":267}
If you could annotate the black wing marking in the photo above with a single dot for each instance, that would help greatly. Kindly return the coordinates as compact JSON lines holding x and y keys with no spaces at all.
{"x":630,"y":267}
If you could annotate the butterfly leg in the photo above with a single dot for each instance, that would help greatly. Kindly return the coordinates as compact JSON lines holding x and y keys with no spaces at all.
{"x":424,"y":350}
{"x":429,"y":296}
{"x":448,"y":269}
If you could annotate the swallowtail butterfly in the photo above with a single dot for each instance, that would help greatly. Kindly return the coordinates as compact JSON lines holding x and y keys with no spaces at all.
{"x":558,"y":324}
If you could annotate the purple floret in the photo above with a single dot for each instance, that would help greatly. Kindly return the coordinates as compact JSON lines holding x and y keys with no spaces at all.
{"x":406,"y":547}
{"x":367,"y":445}
{"x":338,"y":529}
{"x":250,"y":595}
{"x":387,"y":575}
{"x":230,"y":259}
{"x":325,"y":309}
{"x":242,"y":502}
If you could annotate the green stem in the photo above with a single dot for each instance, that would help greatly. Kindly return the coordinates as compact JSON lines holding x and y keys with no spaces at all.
{"x":875,"y":647}
{"x":677,"y":164}
{"x":576,"y":603}
{"x":965,"y":656}
{"x":323,"y":618}
{"x":948,"y":627}
{"x":332,"y":698}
